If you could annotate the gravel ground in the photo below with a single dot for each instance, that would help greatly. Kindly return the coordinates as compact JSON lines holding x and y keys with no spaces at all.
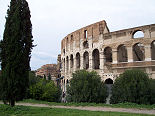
{"x":91,"y":108}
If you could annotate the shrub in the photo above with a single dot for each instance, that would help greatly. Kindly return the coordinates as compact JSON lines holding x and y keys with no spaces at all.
{"x":45,"y":90}
{"x":86,"y":87}
{"x":132,"y":86}
{"x":152,"y":93}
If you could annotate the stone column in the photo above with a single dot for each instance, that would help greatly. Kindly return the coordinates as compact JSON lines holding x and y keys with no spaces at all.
{"x":90,"y":60}
{"x":74,"y":64}
{"x":69,"y":66}
{"x":101,"y":60}
{"x":114,"y":56}
{"x":130,"y":53}
{"x":81,"y":61}
{"x":65,"y":66}
{"x":147,"y":52}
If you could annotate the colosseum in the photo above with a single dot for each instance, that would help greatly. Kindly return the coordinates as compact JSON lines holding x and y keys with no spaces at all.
{"x":94,"y":47}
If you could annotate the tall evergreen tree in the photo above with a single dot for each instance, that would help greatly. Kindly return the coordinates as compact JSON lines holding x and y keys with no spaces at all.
{"x":15,"y":54}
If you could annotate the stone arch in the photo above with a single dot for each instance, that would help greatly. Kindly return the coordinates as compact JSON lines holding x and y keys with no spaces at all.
{"x":78,"y":60}
{"x":108,"y":81}
{"x":138,"y":52}
{"x":153,"y":50}
{"x":108,"y":54}
{"x":67,"y":63}
{"x":96,"y":59}
{"x":86,"y":60}
{"x":138,"y":34}
{"x":71,"y":61}
{"x":85,"y":44}
{"x":122,"y":53}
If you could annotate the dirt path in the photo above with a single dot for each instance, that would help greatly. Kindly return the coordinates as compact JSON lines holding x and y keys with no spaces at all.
{"x":91,"y":108}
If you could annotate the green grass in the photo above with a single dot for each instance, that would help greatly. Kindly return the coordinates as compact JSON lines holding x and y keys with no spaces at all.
{"x":6,"y":110}
{"x":120,"y":105}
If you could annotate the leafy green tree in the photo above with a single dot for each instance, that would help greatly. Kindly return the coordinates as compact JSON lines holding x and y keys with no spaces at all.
{"x":45,"y":90}
{"x":33,"y":79}
{"x":15,"y":54}
{"x":49,"y":76}
{"x":86,"y":87}
{"x":152,"y":93}
{"x":132,"y":86}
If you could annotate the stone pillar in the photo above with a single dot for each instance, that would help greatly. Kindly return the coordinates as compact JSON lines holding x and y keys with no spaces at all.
{"x":81,"y":44}
{"x":65,"y":66}
{"x":101,"y":60}
{"x":69,"y":66}
{"x":81,"y":61}
{"x":90,"y":60}
{"x":130,"y":53}
{"x":147,"y":52}
{"x":114,"y":56}
{"x":74,"y":64}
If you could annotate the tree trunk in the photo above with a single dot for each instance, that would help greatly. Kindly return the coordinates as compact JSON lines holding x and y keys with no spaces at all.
{"x":12,"y":103}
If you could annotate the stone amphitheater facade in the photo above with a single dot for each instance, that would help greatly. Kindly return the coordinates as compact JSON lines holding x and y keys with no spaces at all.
{"x":94,"y":47}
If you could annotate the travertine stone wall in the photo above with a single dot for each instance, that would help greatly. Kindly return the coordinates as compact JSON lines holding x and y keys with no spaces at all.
{"x":98,"y":38}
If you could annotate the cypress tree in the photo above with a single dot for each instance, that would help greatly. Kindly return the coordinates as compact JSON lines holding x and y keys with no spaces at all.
{"x":15,"y":54}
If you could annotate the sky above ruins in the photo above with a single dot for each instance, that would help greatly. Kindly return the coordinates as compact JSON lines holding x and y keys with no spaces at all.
{"x":53,"y":20}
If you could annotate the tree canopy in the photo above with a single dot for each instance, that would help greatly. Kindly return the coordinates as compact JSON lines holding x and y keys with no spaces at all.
{"x":86,"y":87}
{"x":132,"y":86}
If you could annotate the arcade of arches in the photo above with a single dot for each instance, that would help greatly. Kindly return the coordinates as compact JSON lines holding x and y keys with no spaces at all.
{"x":94,"y":47}
{"x":138,"y":51}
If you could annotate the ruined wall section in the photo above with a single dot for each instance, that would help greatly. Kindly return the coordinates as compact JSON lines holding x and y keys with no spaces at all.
{"x":125,"y":37}
{"x":75,"y":38}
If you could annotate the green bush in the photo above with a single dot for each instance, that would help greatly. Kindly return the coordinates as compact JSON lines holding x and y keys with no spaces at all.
{"x":132,"y":86}
{"x":152,"y":93}
{"x":45,"y":90}
{"x":86,"y":87}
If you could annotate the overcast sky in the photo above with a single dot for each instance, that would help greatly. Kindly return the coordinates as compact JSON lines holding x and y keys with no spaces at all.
{"x":52,"y":20}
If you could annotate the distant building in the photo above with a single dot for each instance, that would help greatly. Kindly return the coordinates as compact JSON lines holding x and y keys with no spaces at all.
{"x":48,"y":69}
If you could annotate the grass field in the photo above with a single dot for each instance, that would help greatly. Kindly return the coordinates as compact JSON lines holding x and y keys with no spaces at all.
{"x":6,"y":110}
{"x":121,"y":105}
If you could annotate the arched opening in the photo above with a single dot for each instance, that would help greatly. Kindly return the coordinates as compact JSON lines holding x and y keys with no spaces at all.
{"x":138,"y":52}
{"x":138,"y":34}
{"x":71,"y":61}
{"x":67,"y":63}
{"x":96,"y":59}
{"x":108,"y":81}
{"x":78,"y":60}
{"x":122,"y":54}
{"x":108,"y":54}
{"x":85,"y":34}
{"x":153,"y":50}
{"x":64,"y":51}
{"x":86,"y":60}
{"x":67,"y":81}
{"x":85,"y":44}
